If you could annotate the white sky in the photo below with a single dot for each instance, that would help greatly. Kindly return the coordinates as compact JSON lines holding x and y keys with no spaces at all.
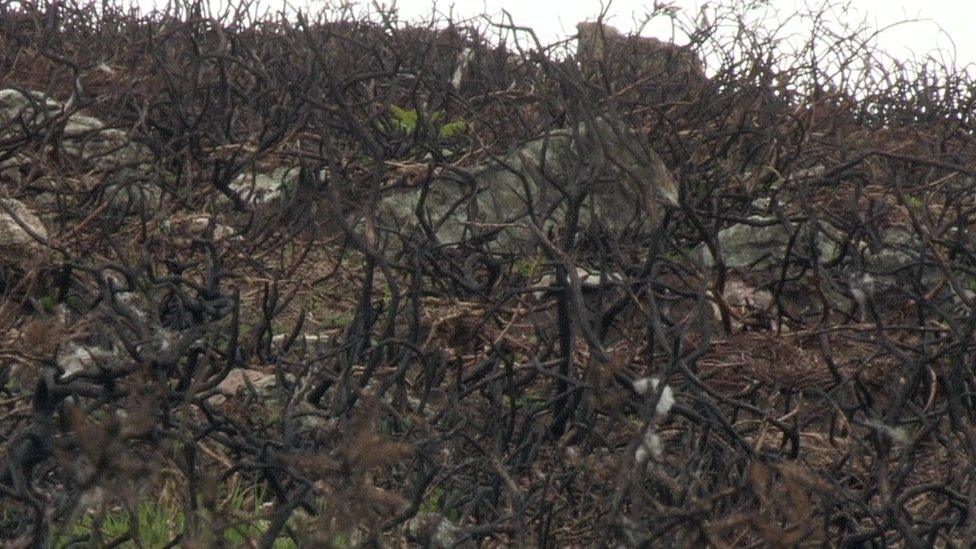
{"x":946,"y":29}
{"x":947,"y":25}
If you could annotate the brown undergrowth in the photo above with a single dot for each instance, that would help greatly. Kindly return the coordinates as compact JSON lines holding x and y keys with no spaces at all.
{"x":283,"y":374}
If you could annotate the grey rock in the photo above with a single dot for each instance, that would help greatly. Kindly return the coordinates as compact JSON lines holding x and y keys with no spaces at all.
{"x":74,"y":358}
{"x":187,"y":227}
{"x":85,"y":138}
{"x":79,"y":125}
{"x":104,"y":149}
{"x":884,"y":273}
{"x":18,"y":227}
{"x":11,"y":167}
{"x":310,"y":339}
{"x":273,"y":189}
{"x":897,"y":260}
{"x":15,"y":104}
{"x":131,"y":197}
{"x":256,"y":188}
{"x":598,"y":42}
{"x":235,"y":381}
{"x":888,"y":274}
{"x":761,"y":243}
{"x":270,"y":394}
{"x":630,"y":188}
{"x":589,"y":280}
{"x":749,"y":306}
{"x":810,"y":173}
{"x":434,"y":530}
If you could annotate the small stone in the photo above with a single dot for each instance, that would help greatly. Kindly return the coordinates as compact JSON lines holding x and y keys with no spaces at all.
{"x":195,"y":226}
{"x":15,"y":103}
{"x":645,"y":385}
{"x":435,"y":531}
{"x":17,"y":243}
{"x":75,"y":358}
{"x":260,"y":188}
{"x":235,"y":380}
{"x":650,"y":446}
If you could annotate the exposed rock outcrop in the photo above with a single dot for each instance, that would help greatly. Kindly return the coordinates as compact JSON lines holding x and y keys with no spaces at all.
{"x":83,"y":138}
{"x":663,"y":62}
{"x":882,"y":273}
{"x":628,"y":188}
{"x":17,"y":106}
{"x":762,"y":242}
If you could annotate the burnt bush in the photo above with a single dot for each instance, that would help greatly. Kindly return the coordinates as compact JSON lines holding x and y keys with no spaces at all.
{"x":276,"y":363}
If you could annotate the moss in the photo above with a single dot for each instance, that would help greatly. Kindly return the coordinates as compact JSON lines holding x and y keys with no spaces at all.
{"x":159,"y":522}
{"x":48,"y":302}
{"x":405,"y":121}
